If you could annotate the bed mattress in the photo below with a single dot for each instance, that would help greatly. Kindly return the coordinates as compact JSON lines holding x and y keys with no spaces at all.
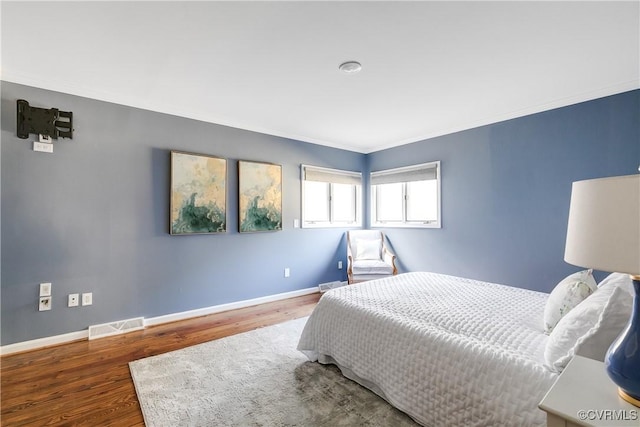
{"x":447,"y":351}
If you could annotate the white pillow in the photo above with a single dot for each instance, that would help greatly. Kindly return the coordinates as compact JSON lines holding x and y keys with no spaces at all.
{"x":590,"y":328}
{"x":368,"y":249}
{"x":570,"y":292}
{"x":620,"y":279}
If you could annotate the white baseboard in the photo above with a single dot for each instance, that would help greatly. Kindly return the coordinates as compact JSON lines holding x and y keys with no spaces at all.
{"x":152,"y":321}
{"x":43,"y":342}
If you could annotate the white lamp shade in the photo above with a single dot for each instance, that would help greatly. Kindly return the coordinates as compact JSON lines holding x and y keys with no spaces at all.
{"x":604,"y":224}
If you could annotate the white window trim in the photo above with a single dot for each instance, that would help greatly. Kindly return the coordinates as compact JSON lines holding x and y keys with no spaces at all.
{"x":404,"y":223}
{"x":332,"y":176}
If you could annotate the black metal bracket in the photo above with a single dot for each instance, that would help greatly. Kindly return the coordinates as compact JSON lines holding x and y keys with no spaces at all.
{"x":43,"y":121}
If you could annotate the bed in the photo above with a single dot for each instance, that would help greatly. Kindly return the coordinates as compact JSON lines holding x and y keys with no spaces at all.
{"x":447,"y":351}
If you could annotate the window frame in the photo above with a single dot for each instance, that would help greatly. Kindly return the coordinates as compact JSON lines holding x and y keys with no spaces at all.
{"x":390,"y":175}
{"x":331,"y":177}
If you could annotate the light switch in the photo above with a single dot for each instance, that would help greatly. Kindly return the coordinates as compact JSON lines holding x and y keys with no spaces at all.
{"x":87,"y":298}
{"x":45,"y":289}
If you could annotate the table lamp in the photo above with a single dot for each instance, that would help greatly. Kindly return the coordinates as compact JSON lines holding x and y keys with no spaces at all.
{"x":604,"y":234}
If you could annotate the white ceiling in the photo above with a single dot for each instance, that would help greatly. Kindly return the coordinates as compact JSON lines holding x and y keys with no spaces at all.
{"x":429,"y":68}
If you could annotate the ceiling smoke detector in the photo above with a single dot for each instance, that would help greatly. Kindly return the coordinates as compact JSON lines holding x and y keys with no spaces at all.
{"x":350,"y":67}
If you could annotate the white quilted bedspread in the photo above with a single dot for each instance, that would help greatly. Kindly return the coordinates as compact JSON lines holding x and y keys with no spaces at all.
{"x":447,"y":351}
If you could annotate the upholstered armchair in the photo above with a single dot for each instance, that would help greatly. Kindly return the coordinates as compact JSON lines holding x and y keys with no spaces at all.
{"x":368,"y":257}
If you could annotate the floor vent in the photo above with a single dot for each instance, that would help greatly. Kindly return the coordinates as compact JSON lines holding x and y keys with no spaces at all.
{"x":324,"y":287}
{"x":115,"y":328}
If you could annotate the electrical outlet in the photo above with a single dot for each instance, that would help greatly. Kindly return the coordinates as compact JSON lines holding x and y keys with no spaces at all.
{"x":339,"y":265}
{"x":44,"y":304}
{"x":74,"y":300}
{"x":287,"y":272}
{"x":87,"y":299}
{"x":45,"y":289}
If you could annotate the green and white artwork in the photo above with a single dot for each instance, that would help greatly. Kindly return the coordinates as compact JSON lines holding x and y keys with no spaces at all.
{"x":260,"y":196}
{"x":198,"y":194}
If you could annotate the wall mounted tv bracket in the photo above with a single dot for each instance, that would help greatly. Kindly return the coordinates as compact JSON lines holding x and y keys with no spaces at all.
{"x":51,"y":122}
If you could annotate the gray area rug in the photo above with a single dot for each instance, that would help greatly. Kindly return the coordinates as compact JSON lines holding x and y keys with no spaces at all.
{"x":256,"y":378}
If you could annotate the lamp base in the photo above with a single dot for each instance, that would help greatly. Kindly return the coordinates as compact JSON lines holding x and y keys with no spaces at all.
{"x":630,"y":399}
{"x":623,"y":358}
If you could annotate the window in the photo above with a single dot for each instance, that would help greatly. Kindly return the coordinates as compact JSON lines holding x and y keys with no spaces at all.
{"x":331,"y":197}
{"x":406,"y":197}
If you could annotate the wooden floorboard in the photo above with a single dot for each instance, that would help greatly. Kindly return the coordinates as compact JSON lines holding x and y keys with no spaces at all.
{"x":88,"y":383}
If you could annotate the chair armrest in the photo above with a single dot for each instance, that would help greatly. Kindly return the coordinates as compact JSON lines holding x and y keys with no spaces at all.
{"x":389,"y":258}
{"x":349,"y":269}
{"x":349,"y":261}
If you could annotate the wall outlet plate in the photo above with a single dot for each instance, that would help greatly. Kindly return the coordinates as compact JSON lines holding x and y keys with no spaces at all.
{"x":43,"y":147}
{"x":87,"y":298}
{"x":45,"y":289}
{"x":74,"y":300}
{"x":44,"y":304}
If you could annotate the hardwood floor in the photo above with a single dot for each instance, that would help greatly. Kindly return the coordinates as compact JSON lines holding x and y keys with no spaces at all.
{"x":88,"y":382}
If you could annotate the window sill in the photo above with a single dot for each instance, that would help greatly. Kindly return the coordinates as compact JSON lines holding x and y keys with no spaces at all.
{"x":405,"y":225}
{"x":335,"y":225}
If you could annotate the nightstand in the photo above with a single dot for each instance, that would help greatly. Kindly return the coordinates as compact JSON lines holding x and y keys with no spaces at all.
{"x":583,"y":395}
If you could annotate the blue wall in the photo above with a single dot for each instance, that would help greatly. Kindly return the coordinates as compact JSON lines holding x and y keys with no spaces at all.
{"x":506,"y":189}
{"x":93,"y":217}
